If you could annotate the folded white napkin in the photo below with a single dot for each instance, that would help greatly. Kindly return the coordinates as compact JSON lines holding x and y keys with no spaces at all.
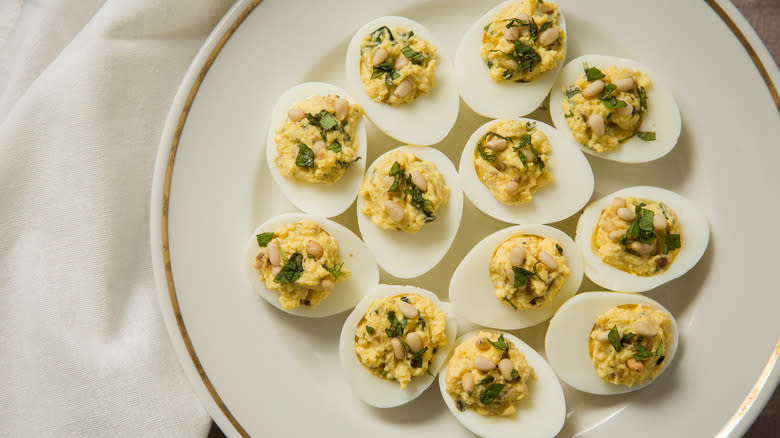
{"x":84,"y":89}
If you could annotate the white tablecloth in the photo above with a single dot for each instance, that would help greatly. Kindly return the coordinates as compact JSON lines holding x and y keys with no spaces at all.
{"x":84,"y":89}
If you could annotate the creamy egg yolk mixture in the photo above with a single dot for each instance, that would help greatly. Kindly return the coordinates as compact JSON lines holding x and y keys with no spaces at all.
{"x":399,"y":336}
{"x":523,"y":41}
{"x":638,"y":236}
{"x":403,"y":192}
{"x":628,"y":344}
{"x":605,"y":108}
{"x":318,"y":140}
{"x":396,"y":66}
{"x":488,"y":375}
{"x":511,"y":160}
{"x":301,"y":262}
{"x":527,"y":271}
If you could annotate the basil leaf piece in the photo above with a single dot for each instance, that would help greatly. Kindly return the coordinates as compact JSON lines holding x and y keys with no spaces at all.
{"x":671,"y":242}
{"x":379,"y":33}
{"x":623,"y":140}
{"x":642,"y":229}
{"x":627,"y":337}
{"x":406,"y":346}
{"x":370,"y":330}
{"x":533,"y":30}
{"x":416,"y":361}
{"x":515,"y":374}
{"x":305,"y":157}
{"x":335,"y":271}
{"x":485,"y":155}
{"x":500,"y":342}
{"x":642,"y":99}
{"x":327,"y":121}
{"x":642,"y":353}
{"x":572,"y":91}
{"x":485,"y":381}
{"x":418,"y":201}
{"x":421,"y":321}
{"x":335,"y":146}
{"x":613,"y":103}
{"x":545,"y":26}
{"x":559,"y":249}
{"x":614,"y":338}
{"x":461,"y":407}
{"x":571,"y":114}
{"x":592,"y":73}
{"x":491,"y":393}
{"x":414,"y":56}
{"x":536,"y":154}
{"x":263,"y":239}
{"x":291,"y":271}
{"x":646,"y":136}
{"x":510,"y":302}
{"x":395,"y":172}
{"x":606,"y":93}
{"x":396,"y":327}
{"x":520,"y":276}
{"x":659,"y":351}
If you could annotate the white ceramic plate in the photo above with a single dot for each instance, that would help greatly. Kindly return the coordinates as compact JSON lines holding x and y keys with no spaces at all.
{"x":263,"y":372}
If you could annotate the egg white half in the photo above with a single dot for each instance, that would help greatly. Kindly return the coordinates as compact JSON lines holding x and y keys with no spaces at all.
{"x":406,"y":255}
{"x":570,"y":189}
{"x":540,"y":415}
{"x":472,"y":292}
{"x":695,"y":235}
{"x":355,"y":255}
{"x":497,"y":99}
{"x":325,"y":200}
{"x":566,"y":342}
{"x":429,"y":117}
{"x":662,"y":116}
{"x":371,"y":389}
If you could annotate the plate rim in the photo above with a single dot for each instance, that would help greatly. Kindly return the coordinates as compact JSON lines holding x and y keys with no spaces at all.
{"x":748,"y":410}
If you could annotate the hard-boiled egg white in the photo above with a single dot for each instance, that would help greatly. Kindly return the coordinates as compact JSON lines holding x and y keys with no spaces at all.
{"x":566,"y":342}
{"x":570,"y":189}
{"x":354,"y":254}
{"x":379,"y":392}
{"x":406,"y":255}
{"x":472,"y":292}
{"x":484,"y":95}
{"x":325,"y":200}
{"x":429,"y":117}
{"x":695,"y":236}
{"x":540,"y":415}
{"x":662,"y":116}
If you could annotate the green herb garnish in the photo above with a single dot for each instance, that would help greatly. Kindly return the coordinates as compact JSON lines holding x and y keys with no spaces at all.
{"x":485,"y":381}
{"x":378,"y":34}
{"x":510,"y":302}
{"x":606,"y":93}
{"x":396,"y":327}
{"x":416,"y":361}
{"x":623,"y":140}
{"x":305,"y":157}
{"x":291,"y":271}
{"x":335,"y":146}
{"x":500,"y":342}
{"x":559,"y":249}
{"x":416,"y":57}
{"x":370,"y":330}
{"x":659,"y":351}
{"x":335,"y":271}
{"x":671,"y":242}
{"x":642,"y":229}
{"x":418,"y":201}
{"x":395,"y":172}
{"x":613,"y":103}
{"x":593,"y":73}
{"x":614,"y":338}
{"x":646,"y":136}
{"x":515,"y":374}
{"x":263,"y":239}
{"x":572,"y":91}
{"x":491,"y":393}
{"x":642,"y":352}
{"x":642,"y":99}
{"x":461,"y":407}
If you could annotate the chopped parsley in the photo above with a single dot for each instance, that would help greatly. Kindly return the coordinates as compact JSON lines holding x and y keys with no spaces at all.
{"x":646,"y":136}
{"x":335,"y":271}
{"x":305,"y":157}
{"x":491,"y":393}
{"x":291,"y":271}
{"x":671,"y":242}
{"x":523,"y":275}
{"x":263,"y":239}
{"x":500,"y":342}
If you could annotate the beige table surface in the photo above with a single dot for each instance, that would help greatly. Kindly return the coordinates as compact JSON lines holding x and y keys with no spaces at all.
{"x":764,"y":16}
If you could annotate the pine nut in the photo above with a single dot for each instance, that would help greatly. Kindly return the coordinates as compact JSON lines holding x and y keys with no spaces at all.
{"x":274,"y":255}
{"x":625,"y":111}
{"x":404,"y":88}
{"x":642,"y":248}
{"x":318,"y":148}
{"x":517,"y":256}
{"x":624,"y":84}
{"x":467,"y":382}
{"x":394,"y":210}
{"x":549,"y":36}
{"x":616,"y":235}
{"x":529,"y":156}
{"x":275,"y":271}
{"x":644,"y":328}
{"x":419,"y":180}
{"x":618,"y":203}
{"x":510,"y":64}
{"x":380,"y":56}
{"x":483,"y":364}
{"x":314,"y":249}
{"x":401,"y":62}
{"x":506,"y":366}
{"x":408,"y":310}
{"x":342,"y":108}
{"x":295,"y":114}
{"x":626,"y":214}
{"x":512,"y":187}
{"x":548,"y":260}
{"x":659,"y":222}
{"x":398,"y":348}
{"x":512,"y":34}
{"x":414,"y":341}
{"x":496,"y":144}
{"x":593,"y":89}
{"x":596,"y":122}
{"x":510,"y":277}
{"x":603,"y":336}
{"x":327,"y":284}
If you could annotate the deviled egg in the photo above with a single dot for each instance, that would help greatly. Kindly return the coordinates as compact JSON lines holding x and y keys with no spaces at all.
{"x":509,"y":58}
{"x":640,"y":237}
{"x":516,"y":277}
{"x":316,"y":147}
{"x":309,"y":266}
{"x":409,"y":209}
{"x":402,"y":80}
{"x":611,"y":342}
{"x":394,"y":342}
{"x":523,"y":171}
{"x":498,"y":387}
{"x":615,"y":108}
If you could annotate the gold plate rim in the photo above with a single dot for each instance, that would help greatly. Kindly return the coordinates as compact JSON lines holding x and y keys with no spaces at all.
{"x":725,"y":431}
